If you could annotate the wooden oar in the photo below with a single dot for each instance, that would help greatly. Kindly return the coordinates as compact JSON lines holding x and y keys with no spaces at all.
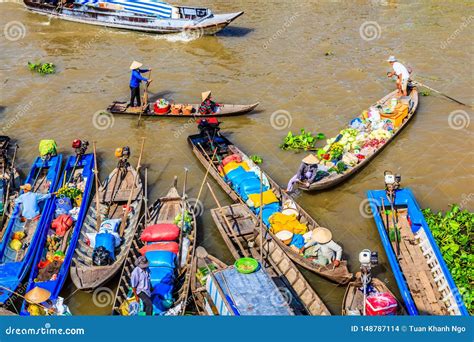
{"x":97,"y":185}
{"x":145,"y":98}
{"x":205,"y":176}
{"x":244,"y":252}
{"x":125,"y":214}
{"x":183,"y":212}
{"x":260,"y":217}
{"x":12,"y":176}
{"x":437,"y":91}
{"x":147,"y":210}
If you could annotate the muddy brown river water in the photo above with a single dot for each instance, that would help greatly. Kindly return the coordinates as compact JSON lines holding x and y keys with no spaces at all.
{"x":275,"y":54}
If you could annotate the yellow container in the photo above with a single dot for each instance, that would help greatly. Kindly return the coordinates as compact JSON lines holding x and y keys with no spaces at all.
{"x":399,"y":114}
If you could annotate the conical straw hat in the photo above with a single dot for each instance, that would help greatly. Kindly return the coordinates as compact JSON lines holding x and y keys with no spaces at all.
{"x":310,"y":159}
{"x":321,"y":235}
{"x":135,"y":65}
{"x":37,"y":295}
{"x":205,"y":95}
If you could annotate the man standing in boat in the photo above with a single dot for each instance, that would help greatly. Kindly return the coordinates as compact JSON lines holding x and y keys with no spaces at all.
{"x":141,"y":284}
{"x":324,"y":247}
{"x":402,"y":75}
{"x":135,"y":81}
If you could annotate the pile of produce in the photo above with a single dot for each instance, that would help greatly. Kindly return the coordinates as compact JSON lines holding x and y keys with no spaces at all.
{"x":453,"y":233}
{"x":42,"y":68}
{"x":304,"y":141}
{"x":162,"y":103}
{"x":70,"y":192}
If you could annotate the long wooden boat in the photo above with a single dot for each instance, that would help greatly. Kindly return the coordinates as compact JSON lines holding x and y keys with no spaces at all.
{"x":14,"y":265}
{"x":424,"y":280}
{"x":222,"y":290}
{"x":113,"y":195}
{"x":204,"y":146}
{"x":336,"y":178}
{"x":8,"y":179}
{"x":163,"y":211}
{"x":225,"y":110}
{"x":78,"y":173}
{"x":142,"y":16}
{"x":353,"y":301}
{"x":299,"y":294}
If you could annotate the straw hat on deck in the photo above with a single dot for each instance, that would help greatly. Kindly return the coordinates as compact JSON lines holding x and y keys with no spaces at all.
{"x":205,"y":95}
{"x":310,"y":159}
{"x":37,"y":295}
{"x":26,"y":187}
{"x":321,"y":235}
{"x":135,"y":65}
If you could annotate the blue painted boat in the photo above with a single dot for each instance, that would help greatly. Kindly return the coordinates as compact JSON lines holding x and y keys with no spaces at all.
{"x":423,"y":278}
{"x":82,"y":177}
{"x":14,"y":265}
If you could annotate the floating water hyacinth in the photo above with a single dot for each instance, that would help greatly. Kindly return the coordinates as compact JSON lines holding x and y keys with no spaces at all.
{"x":42,"y":68}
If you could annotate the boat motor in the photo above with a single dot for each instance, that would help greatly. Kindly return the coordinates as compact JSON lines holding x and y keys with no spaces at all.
{"x":367,"y":259}
{"x":80,"y":146}
{"x":392,"y":181}
{"x":122,"y":153}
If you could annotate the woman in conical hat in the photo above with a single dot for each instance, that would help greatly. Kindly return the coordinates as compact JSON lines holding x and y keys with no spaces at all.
{"x":325,"y":249}
{"x":135,"y":80}
{"x":306,"y":173}
{"x":208,"y":106}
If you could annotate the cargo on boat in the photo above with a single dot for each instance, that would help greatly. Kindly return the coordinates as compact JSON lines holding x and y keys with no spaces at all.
{"x":423,"y":278}
{"x":215,"y":152}
{"x":149,"y":16}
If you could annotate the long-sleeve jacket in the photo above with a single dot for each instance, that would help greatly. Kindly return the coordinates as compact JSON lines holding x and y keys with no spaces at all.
{"x":307,"y":172}
{"x":136,"y":78}
{"x":29,"y":202}
{"x":330,"y":250}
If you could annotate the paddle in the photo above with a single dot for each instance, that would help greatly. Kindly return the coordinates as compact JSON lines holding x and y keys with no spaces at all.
{"x":437,"y":91}
{"x":12,"y":176}
{"x":183,"y":211}
{"x":229,"y":226}
{"x":125,"y":213}
{"x":147,"y":210}
{"x":145,"y":98}
{"x":201,"y":253}
{"x":96,"y":174}
{"x":205,"y":176}
{"x":260,"y":217}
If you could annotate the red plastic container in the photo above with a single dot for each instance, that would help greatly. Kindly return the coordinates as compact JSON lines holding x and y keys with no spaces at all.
{"x":381,"y":304}
{"x":161,"y":111}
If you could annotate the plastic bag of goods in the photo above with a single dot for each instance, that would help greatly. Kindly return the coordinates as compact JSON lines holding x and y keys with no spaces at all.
{"x":160,"y":232}
{"x":47,"y":147}
{"x":381,"y":304}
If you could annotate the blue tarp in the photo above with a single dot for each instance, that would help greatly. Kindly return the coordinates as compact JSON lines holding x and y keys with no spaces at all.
{"x":151,"y":7}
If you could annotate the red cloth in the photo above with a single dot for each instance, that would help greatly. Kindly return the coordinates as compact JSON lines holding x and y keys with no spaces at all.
{"x":160,"y":246}
{"x":160,"y":232}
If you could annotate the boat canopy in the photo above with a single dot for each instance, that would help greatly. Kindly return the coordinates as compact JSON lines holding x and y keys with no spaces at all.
{"x":150,"y":7}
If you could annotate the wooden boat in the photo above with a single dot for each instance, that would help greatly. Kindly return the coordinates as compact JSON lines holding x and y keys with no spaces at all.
{"x":113,"y":195}
{"x":225,"y":110}
{"x":222,"y":290}
{"x":204,"y":145}
{"x":78,"y":173}
{"x":143,"y":16}
{"x":424,"y":280}
{"x":334,"y":179}
{"x":9,"y":179}
{"x":14,"y":265}
{"x":6,"y":312}
{"x":165,"y":210}
{"x":301,"y":297}
{"x":353,"y":301}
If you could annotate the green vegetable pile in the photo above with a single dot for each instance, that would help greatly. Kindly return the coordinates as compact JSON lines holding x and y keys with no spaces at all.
{"x":256,"y":159}
{"x":424,"y":92}
{"x":72,"y":193}
{"x":304,"y":141}
{"x":453,"y":234}
{"x":188,"y":220}
{"x":42,"y":68}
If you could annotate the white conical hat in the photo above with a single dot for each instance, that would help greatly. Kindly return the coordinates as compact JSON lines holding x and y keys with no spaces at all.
{"x":321,"y":235}
{"x":37,"y":295}
{"x":135,"y":65}
{"x":205,"y":95}
{"x":310,"y":159}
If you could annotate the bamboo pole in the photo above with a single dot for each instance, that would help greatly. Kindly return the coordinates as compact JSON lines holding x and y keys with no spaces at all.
{"x":97,"y":185}
{"x":125,"y":214}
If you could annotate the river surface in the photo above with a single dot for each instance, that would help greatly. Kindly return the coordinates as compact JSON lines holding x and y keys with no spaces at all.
{"x":315,"y":63}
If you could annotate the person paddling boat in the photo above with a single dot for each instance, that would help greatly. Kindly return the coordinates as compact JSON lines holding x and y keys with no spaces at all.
{"x":306,"y":173}
{"x":208,"y":106}
{"x":322,"y":249}
{"x":135,"y":80}
{"x":402,"y":73}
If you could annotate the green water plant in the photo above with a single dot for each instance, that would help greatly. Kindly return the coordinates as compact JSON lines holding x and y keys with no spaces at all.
{"x":424,"y":92}
{"x":256,"y":159}
{"x":453,"y":234}
{"x":42,"y":68}
{"x":303,"y":141}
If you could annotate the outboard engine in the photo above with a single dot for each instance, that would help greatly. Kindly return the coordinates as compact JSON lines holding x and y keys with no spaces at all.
{"x":80,"y":146}
{"x":208,"y":126}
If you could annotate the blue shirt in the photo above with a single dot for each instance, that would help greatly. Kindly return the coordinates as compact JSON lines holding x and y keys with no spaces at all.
{"x":29,"y":202}
{"x":140,"y":280}
{"x":136,"y":78}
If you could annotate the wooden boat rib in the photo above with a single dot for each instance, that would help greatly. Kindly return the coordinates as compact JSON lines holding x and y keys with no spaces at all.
{"x":83,"y":172}
{"x":334,"y":179}
{"x":423,"y":277}
{"x":14,"y":265}
{"x":301,"y":297}
{"x":113,"y":195}
{"x":204,"y":152}
{"x":164,"y":210}
{"x":192,"y":20}
{"x":225,"y":110}
{"x":8,"y":180}
{"x":353,"y":301}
